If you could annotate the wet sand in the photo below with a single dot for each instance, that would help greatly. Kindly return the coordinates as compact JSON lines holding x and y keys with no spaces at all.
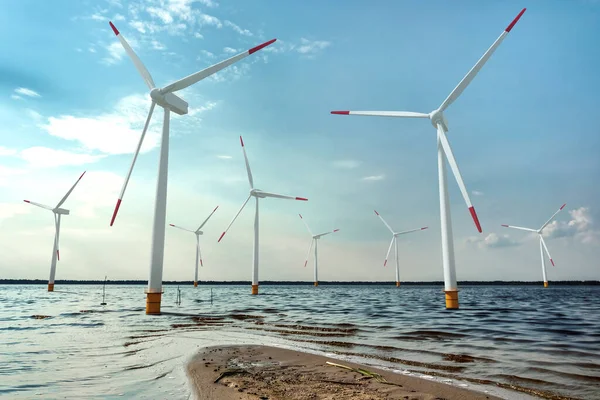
{"x":260,"y":372}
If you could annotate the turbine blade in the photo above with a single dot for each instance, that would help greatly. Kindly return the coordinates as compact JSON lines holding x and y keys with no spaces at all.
{"x":452,"y":161}
{"x":207,"y":218}
{"x":520,"y":228}
{"x":308,"y":253}
{"x":247,"y":164}
{"x":183,"y":229}
{"x":305,"y":224}
{"x":56,"y":236}
{"x":412,"y":230}
{"x":281,"y":196}
{"x":136,"y":61}
{"x":473,"y":72}
{"x":388,"y":252}
{"x":383,"y":220}
{"x":60,"y":203}
{"x":137,"y":151}
{"x":552,"y":217}
{"x":234,"y":218}
{"x":326,"y":233}
{"x":200,"y":256}
{"x":198,"y":76}
{"x":401,"y":114}
{"x":546,"y":248}
{"x":39,"y":205}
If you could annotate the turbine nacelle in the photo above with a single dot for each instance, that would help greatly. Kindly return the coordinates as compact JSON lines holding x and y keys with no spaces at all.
{"x":438,"y":117}
{"x":61,"y":211}
{"x":170,"y":101}
{"x":258,"y":193}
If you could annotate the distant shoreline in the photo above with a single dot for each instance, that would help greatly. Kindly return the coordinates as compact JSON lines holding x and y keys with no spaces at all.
{"x":296,"y":283}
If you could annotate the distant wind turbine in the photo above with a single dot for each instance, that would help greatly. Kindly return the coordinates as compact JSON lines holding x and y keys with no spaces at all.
{"x":315,"y":241}
{"x":542,"y":242}
{"x":166,"y":99}
{"x":438,"y":120}
{"x":58,"y":212}
{"x":197,"y":232}
{"x":394,"y":242}
{"x":257,"y":194}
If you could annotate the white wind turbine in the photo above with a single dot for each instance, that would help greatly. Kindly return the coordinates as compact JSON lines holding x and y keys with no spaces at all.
{"x":315,"y":241}
{"x":438,"y":120}
{"x":197,"y":232}
{"x":394,"y":242}
{"x":166,"y":99}
{"x":58,"y":212}
{"x":257,"y":194}
{"x":542,"y":242}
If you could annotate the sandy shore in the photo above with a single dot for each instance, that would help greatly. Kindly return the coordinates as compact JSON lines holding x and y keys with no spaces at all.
{"x":259,"y":372}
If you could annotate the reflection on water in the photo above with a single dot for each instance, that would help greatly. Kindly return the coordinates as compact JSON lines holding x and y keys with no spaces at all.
{"x":64,"y":344}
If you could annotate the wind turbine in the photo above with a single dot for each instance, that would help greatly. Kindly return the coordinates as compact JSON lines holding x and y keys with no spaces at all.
{"x":58,"y":212}
{"x":166,"y":99}
{"x":315,"y":241}
{"x":257,"y":194}
{"x":542,"y":242}
{"x":394,"y":242}
{"x":197,"y":232}
{"x":438,"y":120}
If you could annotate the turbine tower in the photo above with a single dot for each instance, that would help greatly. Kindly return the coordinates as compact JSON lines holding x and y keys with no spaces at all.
{"x":394,"y":242}
{"x":542,"y":243}
{"x":166,"y":99}
{"x":197,"y":232}
{"x":58,"y":212}
{"x":257,"y":194}
{"x":315,"y":241}
{"x":444,"y":151}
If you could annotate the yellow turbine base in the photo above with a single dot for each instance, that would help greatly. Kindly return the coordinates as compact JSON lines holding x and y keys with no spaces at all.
{"x":195,"y":284}
{"x":51,"y":287}
{"x":316,"y":283}
{"x":397,"y":284}
{"x":153,"y":303}
{"x":451,"y":299}
{"x":545,"y":284}
{"x":254,"y":289}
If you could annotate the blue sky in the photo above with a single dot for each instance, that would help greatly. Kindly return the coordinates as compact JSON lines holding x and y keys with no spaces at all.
{"x":523,"y":134}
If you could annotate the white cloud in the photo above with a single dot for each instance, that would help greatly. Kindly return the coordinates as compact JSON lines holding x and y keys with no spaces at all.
{"x":98,"y":17}
{"x":9,"y":210}
{"x":119,"y":17}
{"x":15,"y":97}
{"x":156,"y":45}
{"x":477,"y":193}
{"x":4,"y":151}
{"x":493,"y":240}
{"x":374,"y":178}
{"x":206,"y":54}
{"x":116,"y":132}
{"x":346,"y":164}
{"x":198,"y":35}
{"x":205,"y":19}
{"x":27,"y":92}
{"x":207,"y":107}
{"x":33,"y":114}
{"x":311,"y":48}
{"x":44,"y":157}
{"x":244,"y":32}
{"x":208,"y":3}
{"x":581,"y":226}
{"x":160,"y":13}
{"x":91,"y":49}
{"x":224,"y":157}
{"x":115,"y":53}
{"x":230,"y":50}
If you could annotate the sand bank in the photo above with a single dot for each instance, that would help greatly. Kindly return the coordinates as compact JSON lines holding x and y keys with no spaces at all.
{"x":259,"y":372}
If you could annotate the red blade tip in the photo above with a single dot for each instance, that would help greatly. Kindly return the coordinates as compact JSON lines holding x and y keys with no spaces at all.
{"x":82,"y":175}
{"x":509,"y":27}
{"x":423,"y":228}
{"x":221,"y":237}
{"x":552,"y":261}
{"x":475,"y":219}
{"x":58,"y":255}
{"x":114,"y":28}
{"x":506,"y":226}
{"x":384,"y":263}
{"x":341,"y":112}
{"x":301,"y":198}
{"x":563,"y":206}
{"x":335,"y":230}
{"x":300,"y":216}
{"x":261,"y":46}
{"x":112,"y":221}
{"x":26,"y":201}
{"x":215,"y":208}
{"x":171,"y":225}
{"x":242,"y":141}
{"x":376,"y":212}
{"x":202,"y":265}
{"x":305,"y":262}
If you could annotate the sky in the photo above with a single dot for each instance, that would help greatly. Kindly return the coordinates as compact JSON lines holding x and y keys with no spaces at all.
{"x":523,"y":134}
